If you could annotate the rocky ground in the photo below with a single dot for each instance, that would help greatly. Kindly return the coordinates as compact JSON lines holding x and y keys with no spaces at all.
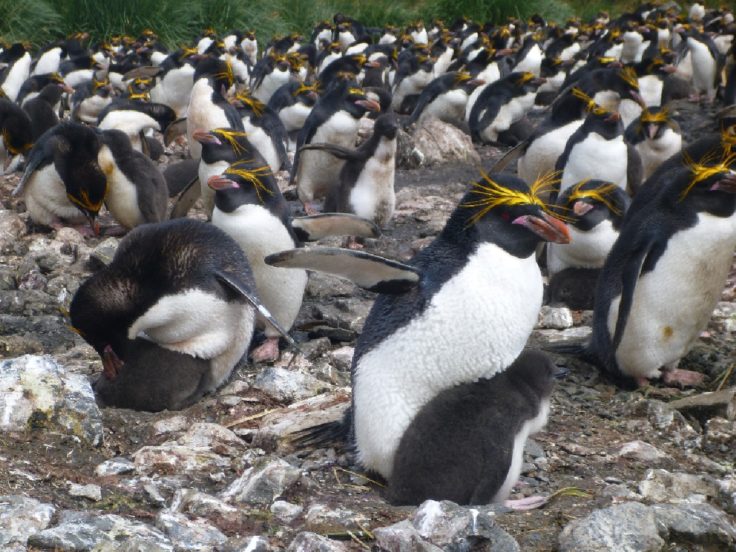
{"x":651,"y":469}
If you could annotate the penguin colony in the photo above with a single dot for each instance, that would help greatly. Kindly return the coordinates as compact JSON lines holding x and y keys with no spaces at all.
{"x":444,"y":391}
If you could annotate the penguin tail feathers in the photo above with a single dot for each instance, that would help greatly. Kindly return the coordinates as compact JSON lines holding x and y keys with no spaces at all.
{"x":322,"y":435}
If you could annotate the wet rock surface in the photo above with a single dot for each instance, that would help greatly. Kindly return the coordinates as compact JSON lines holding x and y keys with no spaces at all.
{"x":224,"y":474}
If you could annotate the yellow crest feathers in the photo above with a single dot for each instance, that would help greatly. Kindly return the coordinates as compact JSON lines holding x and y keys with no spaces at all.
{"x":252,"y":176}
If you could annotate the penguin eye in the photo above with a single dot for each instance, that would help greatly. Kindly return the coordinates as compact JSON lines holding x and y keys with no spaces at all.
{"x":505,"y":216}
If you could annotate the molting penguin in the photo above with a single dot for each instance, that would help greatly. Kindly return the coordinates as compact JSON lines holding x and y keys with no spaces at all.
{"x":334,"y":120}
{"x":665,"y":273}
{"x":656,"y":137}
{"x":479,"y":273}
{"x":137,"y":192}
{"x":466,"y":444}
{"x":62,"y":180}
{"x":366,"y":185}
{"x":184,"y":286}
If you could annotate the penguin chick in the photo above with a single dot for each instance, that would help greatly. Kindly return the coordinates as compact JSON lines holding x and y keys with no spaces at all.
{"x":678,"y":243}
{"x":62,"y":180}
{"x":15,"y":126}
{"x":466,"y":444}
{"x":183,"y":285}
{"x":154,"y":379}
{"x":366,"y":182}
{"x":479,"y":273}
{"x":137,"y":192}
{"x":656,"y":137}
{"x":41,"y":109}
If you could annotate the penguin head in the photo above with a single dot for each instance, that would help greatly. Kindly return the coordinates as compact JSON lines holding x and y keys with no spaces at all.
{"x":590,"y":202}
{"x":709,"y":184}
{"x":305,"y":94}
{"x":653,"y":122}
{"x":223,"y":144}
{"x":466,"y":82}
{"x":535,"y":371}
{"x":247,"y":105}
{"x":358,"y":102}
{"x":504,"y":210}
{"x":627,"y":85}
{"x":218,"y":71}
{"x":386,"y":126}
{"x":245,"y":182}
{"x":600,"y":120}
{"x":15,"y":128}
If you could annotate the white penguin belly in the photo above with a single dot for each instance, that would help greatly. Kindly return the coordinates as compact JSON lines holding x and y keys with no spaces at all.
{"x":655,"y":152}
{"x":585,"y":250}
{"x":373,"y":196}
{"x":259,"y":233}
{"x":263,"y":143}
{"x":46,"y":200}
{"x":318,"y":170}
{"x":17,"y":75}
{"x":202,"y":115}
{"x":673,"y":303}
{"x":596,"y":158}
{"x":90,"y":108}
{"x":448,"y":107}
{"x":294,"y":116}
{"x":543,"y":152}
{"x":48,"y":62}
{"x":650,"y":89}
{"x":704,"y":68}
{"x":474,"y":327}
{"x":201,"y":325}
{"x":122,"y":195}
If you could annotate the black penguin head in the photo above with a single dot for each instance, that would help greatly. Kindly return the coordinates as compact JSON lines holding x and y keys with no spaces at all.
{"x":653,"y":122}
{"x":627,"y":85}
{"x":218,"y":71}
{"x":223,"y":144}
{"x":358,"y":102}
{"x":386,"y":126}
{"x":15,"y":127}
{"x":589,"y":202}
{"x":599,"y":119}
{"x":525,"y":81}
{"x":305,"y":94}
{"x":504,"y":210}
{"x":247,"y":105}
{"x":709,"y":184}
{"x":534,"y":370}
{"x":244,"y":183}
{"x":465,"y":81}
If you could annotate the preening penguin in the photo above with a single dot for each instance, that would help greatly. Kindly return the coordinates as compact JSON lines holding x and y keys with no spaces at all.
{"x":466,"y":444}
{"x":184,"y":286}
{"x":62,"y":180}
{"x":366,"y":184}
{"x":136,"y":189}
{"x":479,"y":273}
{"x":665,"y":273}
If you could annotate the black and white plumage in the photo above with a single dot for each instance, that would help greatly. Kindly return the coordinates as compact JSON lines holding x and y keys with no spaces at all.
{"x":656,"y":138}
{"x":444,"y":98}
{"x":42,"y":110}
{"x":460,"y":310}
{"x":136,"y":189}
{"x":182,"y":285}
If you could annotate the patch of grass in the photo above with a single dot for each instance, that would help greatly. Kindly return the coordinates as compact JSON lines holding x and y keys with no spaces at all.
{"x":28,"y":20}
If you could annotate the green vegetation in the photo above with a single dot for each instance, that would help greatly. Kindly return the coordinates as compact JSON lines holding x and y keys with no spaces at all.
{"x":180,"y":21}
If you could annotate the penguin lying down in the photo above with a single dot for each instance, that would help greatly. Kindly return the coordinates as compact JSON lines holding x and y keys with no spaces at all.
{"x":445,"y":332}
{"x":171,"y":316}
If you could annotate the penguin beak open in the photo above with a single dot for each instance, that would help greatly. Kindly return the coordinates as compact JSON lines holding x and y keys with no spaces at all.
{"x":546,"y":227}
{"x":370,"y":105}
{"x":204,"y":137}
{"x":219,"y":182}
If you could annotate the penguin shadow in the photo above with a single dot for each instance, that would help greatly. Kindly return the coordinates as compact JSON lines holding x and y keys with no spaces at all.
{"x":154,"y":379}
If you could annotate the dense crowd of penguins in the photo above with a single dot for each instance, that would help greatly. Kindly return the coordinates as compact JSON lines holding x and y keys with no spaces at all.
{"x":444,"y":393}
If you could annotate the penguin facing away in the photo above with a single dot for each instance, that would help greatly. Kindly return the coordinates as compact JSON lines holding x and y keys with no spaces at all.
{"x":638,"y":334}
{"x":184,"y":286}
{"x":466,"y":444}
{"x":480,"y":273}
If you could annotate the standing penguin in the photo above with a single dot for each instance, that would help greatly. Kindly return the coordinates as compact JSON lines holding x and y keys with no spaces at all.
{"x":183,"y":285}
{"x":293,"y":103}
{"x":597,"y":150}
{"x":17,"y":63}
{"x":334,"y":120}
{"x":665,"y":273}
{"x":706,"y":66}
{"x":250,"y":208}
{"x":480,"y":273}
{"x":656,"y":137}
{"x":62,"y":180}
{"x":445,"y":98}
{"x":366,"y":185}
{"x":137,"y":192}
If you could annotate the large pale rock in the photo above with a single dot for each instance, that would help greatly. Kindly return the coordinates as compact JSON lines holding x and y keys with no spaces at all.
{"x":263,"y":482}
{"x":442,"y":143}
{"x":36,"y":393}
{"x":708,"y":405}
{"x":664,"y":486}
{"x":628,"y":527}
{"x":20,"y":518}
{"x":82,"y":531}
{"x":700,"y":524}
{"x":312,"y":542}
{"x":189,"y":535}
{"x":12,"y":227}
{"x":287,"y":385}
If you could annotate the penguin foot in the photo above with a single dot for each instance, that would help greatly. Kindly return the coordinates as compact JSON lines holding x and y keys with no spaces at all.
{"x":111,"y":363}
{"x":351,"y":242}
{"x":268,"y":351}
{"x":682,"y":378}
{"x":528,"y":503}
{"x":310,"y":208}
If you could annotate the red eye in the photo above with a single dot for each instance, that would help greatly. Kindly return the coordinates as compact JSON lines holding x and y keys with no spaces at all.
{"x":505,"y":216}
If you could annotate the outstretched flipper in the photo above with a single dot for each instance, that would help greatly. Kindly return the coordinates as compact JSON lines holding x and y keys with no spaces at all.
{"x":340,"y":152}
{"x":368,"y":271}
{"x":315,"y":227}
{"x":237,"y":286}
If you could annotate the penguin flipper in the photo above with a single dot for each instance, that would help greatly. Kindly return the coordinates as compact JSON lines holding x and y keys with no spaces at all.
{"x":188,"y":196}
{"x":629,"y":278}
{"x":144,"y":72}
{"x":315,"y":227}
{"x":510,"y":156}
{"x":366,"y":270}
{"x":238,"y":287}
{"x":174,"y":130}
{"x":634,"y":170}
{"x":37,"y":157}
{"x":340,"y":152}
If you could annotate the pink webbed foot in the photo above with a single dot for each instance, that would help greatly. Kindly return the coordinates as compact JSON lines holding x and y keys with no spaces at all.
{"x":682,"y":378}
{"x":528,"y":503}
{"x":268,"y":351}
